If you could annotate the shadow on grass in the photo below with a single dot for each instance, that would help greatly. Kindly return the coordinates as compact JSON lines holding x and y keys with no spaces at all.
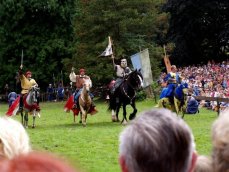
{"x":77,"y":124}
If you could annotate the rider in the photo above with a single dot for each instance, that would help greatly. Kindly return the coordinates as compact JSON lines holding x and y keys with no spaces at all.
{"x":79,"y":80}
{"x":122,"y":71}
{"x":171,"y":79}
{"x":26,"y":83}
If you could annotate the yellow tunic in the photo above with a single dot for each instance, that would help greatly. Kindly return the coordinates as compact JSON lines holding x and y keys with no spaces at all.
{"x":26,"y":84}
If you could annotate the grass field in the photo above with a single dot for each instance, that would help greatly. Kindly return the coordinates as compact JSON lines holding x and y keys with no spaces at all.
{"x":94,"y":148}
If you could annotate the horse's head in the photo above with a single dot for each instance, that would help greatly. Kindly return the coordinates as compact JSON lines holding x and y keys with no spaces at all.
{"x":135,"y":79}
{"x":34,"y":94}
{"x":87,"y":84}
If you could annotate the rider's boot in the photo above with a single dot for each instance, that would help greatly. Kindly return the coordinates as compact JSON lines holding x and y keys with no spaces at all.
{"x":93,"y":109}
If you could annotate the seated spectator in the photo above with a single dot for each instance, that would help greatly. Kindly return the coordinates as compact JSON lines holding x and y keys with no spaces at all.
{"x":203,"y":164}
{"x":13,"y":138}
{"x":158,"y":141}
{"x":35,"y":162}
{"x":192,"y":105}
{"x":220,"y":142}
{"x":11,"y":98}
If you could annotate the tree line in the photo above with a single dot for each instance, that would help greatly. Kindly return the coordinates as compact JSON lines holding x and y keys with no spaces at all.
{"x":58,"y":35}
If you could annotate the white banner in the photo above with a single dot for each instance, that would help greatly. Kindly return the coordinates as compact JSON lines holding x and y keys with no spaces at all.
{"x":141,"y":61}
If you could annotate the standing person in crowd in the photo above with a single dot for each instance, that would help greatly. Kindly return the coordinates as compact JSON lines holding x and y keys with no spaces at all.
{"x":157,"y":140}
{"x":14,"y":140}
{"x":6,"y":91}
{"x":50,"y":92}
{"x":220,"y":142}
{"x":121,"y":71}
{"x":12,"y":96}
{"x":26,"y":83}
{"x":60,"y":92}
{"x":79,"y":80}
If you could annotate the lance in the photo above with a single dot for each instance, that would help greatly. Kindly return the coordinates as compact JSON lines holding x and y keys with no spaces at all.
{"x":22,"y":57}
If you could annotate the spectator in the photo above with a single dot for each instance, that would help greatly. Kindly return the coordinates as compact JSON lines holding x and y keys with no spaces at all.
{"x":220,"y":142}
{"x":50,"y":92}
{"x":13,"y":138}
{"x":60,"y":92}
{"x":158,"y":141}
{"x":203,"y":164}
{"x":35,"y":162}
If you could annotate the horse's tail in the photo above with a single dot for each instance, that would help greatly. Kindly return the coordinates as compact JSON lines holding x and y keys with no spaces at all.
{"x":112,"y":102}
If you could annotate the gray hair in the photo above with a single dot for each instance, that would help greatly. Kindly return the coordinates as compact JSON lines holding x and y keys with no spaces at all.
{"x":13,"y":137}
{"x":220,"y":142}
{"x":157,"y":140}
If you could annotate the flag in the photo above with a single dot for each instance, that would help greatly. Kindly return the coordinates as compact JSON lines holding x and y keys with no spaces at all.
{"x":108,"y":51}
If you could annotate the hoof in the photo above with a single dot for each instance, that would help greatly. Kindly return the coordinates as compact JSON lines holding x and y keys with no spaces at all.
{"x":80,"y":121}
{"x":84,"y":125}
{"x":113,"y":118}
{"x":33,"y":126}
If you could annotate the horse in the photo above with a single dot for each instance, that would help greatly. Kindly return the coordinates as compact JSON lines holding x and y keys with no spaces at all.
{"x":30,"y":105}
{"x":126,"y":94}
{"x":84,"y":103}
{"x":178,"y":102}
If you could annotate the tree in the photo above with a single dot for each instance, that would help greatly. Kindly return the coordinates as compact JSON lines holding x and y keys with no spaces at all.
{"x":199,"y":29}
{"x":132,"y":25}
{"x":43,"y":30}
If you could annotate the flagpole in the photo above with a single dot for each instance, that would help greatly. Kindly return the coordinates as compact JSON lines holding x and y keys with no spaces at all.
{"x":112,"y":55}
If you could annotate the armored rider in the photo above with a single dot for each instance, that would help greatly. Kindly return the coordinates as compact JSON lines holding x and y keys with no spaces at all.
{"x":27,"y":82}
{"x":121,"y":71}
{"x":79,"y":80}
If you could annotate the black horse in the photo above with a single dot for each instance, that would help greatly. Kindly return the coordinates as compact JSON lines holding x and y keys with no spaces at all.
{"x":125,"y":94}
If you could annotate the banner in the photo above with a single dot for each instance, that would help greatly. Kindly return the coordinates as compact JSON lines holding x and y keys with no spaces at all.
{"x":108,"y":51}
{"x":141,"y":61}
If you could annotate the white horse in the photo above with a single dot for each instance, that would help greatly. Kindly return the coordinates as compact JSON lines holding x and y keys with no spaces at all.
{"x":30,"y":105}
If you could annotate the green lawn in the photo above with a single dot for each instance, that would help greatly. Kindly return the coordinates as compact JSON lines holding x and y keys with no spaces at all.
{"x":94,"y":148}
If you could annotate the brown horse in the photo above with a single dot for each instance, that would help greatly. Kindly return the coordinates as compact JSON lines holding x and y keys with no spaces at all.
{"x":85,"y":103}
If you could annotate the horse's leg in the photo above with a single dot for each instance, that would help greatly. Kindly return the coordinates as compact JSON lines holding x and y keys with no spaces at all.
{"x":80,"y":117}
{"x":26,"y":119}
{"x":83,"y":116}
{"x":22,"y":120}
{"x":34,"y":117}
{"x":133,"y":114}
{"x":117,"y":111}
{"x":124,"y":120}
{"x":113,"y":116}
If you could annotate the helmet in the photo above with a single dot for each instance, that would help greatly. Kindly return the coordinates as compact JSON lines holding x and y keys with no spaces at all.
{"x":123,"y":63}
{"x":82,"y":70}
{"x":28,"y":73}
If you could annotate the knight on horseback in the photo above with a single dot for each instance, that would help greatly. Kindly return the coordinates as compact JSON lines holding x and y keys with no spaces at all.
{"x":121,"y":71}
{"x":27,"y":82}
{"x":171,"y":80}
{"x":79,"y":81}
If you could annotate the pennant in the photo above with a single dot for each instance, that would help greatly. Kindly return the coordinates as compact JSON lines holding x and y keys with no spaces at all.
{"x":108,"y":51}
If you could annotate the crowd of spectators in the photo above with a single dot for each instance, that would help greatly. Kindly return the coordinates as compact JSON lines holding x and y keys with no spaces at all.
{"x":210,"y":80}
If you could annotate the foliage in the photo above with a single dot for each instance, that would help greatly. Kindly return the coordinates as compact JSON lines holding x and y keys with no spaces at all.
{"x":132,"y":25}
{"x":43,"y":30}
{"x":95,"y":147}
{"x":199,"y":29}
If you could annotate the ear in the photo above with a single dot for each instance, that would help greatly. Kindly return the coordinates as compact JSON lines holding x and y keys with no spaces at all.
{"x":122,"y":164}
{"x":139,"y":70}
{"x":193,"y":163}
